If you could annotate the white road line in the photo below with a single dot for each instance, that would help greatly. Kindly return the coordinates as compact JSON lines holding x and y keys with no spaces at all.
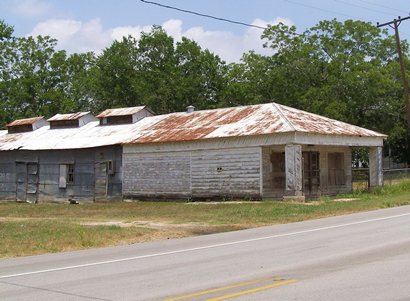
{"x":205,"y":247}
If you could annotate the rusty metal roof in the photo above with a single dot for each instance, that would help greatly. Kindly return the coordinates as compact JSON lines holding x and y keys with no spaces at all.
{"x":253,"y":120}
{"x":263,"y":119}
{"x":25,"y":121}
{"x":70,"y":116}
{"x":121,"y":111}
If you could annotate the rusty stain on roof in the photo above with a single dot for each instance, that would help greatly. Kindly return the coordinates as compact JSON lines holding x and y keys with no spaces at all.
{"x":245,"y":121}
{"x":173,"y":135}
{"x":308,"y":122}
{"x":70,"y":116}
{"x":121,"y":111}
{"x":25,"y":121}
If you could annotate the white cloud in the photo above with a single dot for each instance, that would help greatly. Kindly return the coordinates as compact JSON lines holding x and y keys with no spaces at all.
{"x":31,"y":8}
{"x":74,"y":36}
{"x":77,"y":36}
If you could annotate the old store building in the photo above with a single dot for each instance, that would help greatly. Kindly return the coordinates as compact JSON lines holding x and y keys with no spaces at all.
{"x":260,"y":151}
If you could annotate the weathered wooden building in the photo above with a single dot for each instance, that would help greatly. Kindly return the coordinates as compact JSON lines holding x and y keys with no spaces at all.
{"x":259,"y":151}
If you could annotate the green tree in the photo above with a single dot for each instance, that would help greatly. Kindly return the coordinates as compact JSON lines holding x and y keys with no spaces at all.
{"x":36,"y":79}
{"x":157,"y":72}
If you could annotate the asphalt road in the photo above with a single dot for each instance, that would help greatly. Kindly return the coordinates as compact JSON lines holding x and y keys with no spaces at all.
{"x":363,"y":256}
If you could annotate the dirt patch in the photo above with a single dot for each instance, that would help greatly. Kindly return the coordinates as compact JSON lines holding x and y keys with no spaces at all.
{"x":180,"y":230}
{"x":345,"y":200}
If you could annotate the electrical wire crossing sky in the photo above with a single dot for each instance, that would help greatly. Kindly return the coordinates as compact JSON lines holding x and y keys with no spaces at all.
{"x":228,"y":28}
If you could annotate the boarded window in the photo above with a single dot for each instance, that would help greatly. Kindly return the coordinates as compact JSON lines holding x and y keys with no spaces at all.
{"x":278,"y":170}
{"x":336,"y":169}
{"x":61,"y":124}
{"x":66,"y":175}
{"x":122,"y":119}
{"x":20,"y":128}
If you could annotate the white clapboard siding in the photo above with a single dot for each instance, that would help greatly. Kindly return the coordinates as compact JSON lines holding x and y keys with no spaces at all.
{"x":226,"y":172}
{"x":156,"y":174}
{"x":197,"y":173}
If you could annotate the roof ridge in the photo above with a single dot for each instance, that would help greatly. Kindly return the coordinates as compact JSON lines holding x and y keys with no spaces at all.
{"x":287,"y":121}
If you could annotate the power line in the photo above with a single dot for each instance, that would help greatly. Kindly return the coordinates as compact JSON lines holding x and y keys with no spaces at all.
{"x":203,"y":15}
{"x":380,"y":5}
{"x":395,"y":25}
{"x":321,"y":9}
{"x":331,"y":11}
{"x":364,"y":7}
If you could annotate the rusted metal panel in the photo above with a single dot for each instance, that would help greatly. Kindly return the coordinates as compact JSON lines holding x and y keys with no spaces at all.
{"x":264,"y":120}
{"x":25,"y":121}
{"x":311,"y":123}
{"x":71,"y":116}
{"x":243,"y":121}
{"x":122,"y":111}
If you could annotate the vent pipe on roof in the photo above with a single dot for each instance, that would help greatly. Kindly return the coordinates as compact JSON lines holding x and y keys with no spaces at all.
{"x":190,"y":109}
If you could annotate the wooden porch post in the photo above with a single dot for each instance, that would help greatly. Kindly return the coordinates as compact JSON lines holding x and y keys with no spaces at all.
{"x":294,"y":179}
{"x":376,"y":166}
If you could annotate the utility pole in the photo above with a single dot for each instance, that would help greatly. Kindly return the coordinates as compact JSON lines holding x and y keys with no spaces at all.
{"x":395,"y":25}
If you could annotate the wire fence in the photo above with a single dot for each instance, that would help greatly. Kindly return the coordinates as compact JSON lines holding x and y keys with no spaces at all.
{"x":360,"y":177}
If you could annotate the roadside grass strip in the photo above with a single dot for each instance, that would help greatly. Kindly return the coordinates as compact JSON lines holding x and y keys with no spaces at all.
{"x":235,"y":290}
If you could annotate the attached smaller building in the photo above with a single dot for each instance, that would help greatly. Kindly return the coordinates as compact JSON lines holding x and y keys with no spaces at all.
{"x":69,"y":157}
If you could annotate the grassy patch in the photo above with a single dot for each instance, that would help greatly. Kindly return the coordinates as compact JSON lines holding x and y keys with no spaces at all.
{"x":27,"y":229}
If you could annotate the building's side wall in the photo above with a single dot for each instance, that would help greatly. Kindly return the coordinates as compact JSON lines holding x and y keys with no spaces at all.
{"x":197,"y":174}
{"x":48,"y":173}
{"x":164,"y":174}
{"x":8,"y":176}
{"x":49,"y":170}
{"x":229,"y":173}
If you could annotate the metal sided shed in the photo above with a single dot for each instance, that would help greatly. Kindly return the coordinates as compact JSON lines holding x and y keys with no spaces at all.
{"x":258,"y":151}
{"x":70,"y":157}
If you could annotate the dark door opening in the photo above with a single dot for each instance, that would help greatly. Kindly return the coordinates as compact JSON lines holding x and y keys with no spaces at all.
{"x":311,"y":173}
{"x":27,"y":182}
{"x":100,"y":181}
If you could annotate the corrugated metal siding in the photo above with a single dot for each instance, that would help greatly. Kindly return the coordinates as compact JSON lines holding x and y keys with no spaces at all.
{"x":20,"y":179}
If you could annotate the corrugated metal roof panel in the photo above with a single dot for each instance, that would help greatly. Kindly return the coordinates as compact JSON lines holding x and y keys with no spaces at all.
{"x":120,"y":111}
{"x":25,"y":121}
{"x":311,"y":123}
{"x":264,"y":119}
{"x":71,"y":116}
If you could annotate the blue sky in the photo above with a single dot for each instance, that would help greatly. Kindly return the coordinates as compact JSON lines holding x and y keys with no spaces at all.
{"x":92,"y":25}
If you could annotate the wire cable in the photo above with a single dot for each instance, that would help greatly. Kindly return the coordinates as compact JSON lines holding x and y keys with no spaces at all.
{"x":204,"y":15}
{"x":321,"y":9}
{"x":363,"y":7}
{"x":380,"y":5}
